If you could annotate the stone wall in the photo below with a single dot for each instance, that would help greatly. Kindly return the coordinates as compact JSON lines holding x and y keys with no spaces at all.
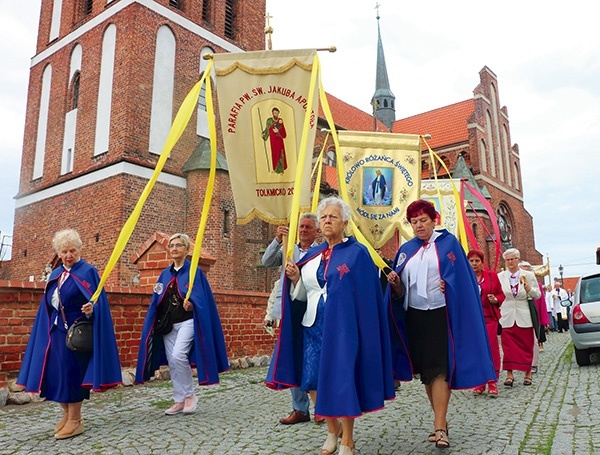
{"x":241,"y":314}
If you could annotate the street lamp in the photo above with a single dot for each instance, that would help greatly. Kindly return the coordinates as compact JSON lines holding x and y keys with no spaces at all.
{"x":561,"y":269}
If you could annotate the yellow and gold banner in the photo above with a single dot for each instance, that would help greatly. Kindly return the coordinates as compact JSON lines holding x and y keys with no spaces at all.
{"x":382,"y":172}
{"x":441,"y":194}
{"x":268,"y":120}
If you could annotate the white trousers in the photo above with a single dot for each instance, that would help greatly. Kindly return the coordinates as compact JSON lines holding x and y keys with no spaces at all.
{"x":178,"y":344}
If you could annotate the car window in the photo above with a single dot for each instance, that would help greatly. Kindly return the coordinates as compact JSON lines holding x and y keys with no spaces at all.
{"x":590,"y":289}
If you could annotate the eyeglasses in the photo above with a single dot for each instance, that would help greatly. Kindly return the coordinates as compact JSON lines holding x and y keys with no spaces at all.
{"x":176,"y":245}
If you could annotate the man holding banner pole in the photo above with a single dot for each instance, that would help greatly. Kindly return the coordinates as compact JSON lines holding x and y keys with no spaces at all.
{"x":273,"y":257}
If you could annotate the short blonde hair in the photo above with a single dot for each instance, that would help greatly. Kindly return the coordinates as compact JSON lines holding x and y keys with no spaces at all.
{"x":65,"y":237}
{"x":185,"y":239}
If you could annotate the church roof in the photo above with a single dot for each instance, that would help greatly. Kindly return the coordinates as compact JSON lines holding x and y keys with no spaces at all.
{"x":200,"y":158}
{"x":382,"y":82}
{"x":447,"y":125}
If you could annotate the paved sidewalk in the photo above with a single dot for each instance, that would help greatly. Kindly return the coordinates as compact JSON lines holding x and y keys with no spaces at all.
{"x":559,"y":414}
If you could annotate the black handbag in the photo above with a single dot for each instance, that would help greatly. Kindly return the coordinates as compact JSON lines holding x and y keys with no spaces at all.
{"x":163,"y":324}
{"x":80,"y":336}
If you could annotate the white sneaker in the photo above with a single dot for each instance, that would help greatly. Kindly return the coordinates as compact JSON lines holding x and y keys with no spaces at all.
{"x":190,"y":404}
{"x":177,"y":408}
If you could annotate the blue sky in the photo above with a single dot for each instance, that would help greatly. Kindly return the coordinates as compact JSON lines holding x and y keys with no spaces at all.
{"x":547,"y":61}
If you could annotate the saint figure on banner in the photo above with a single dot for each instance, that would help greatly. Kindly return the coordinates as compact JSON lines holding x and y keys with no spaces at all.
{"x":275,"y":132}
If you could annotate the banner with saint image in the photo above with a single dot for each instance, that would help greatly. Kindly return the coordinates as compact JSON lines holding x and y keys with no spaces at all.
{"x":263,"y":100}
{"x":382,"y":172}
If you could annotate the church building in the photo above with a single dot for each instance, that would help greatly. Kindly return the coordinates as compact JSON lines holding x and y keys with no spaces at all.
{"x":105,"y":85}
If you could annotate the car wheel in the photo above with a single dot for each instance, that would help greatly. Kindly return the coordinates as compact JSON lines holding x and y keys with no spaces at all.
{"x":582,"y":356}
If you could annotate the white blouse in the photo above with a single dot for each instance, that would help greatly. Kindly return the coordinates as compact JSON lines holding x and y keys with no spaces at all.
{"x":422,"y":277}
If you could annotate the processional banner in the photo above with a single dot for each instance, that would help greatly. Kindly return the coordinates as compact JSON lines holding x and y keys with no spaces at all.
{"x":382,"y":172}
{"x":441,"y":194}
{"x":263,"y":101}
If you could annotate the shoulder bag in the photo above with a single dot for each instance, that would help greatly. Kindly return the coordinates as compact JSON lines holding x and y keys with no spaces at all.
{"x":163,"y":324}
{"x":80,"y":336}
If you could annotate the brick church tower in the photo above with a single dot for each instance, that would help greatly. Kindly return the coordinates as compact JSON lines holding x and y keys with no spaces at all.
{"x":105,"y":84}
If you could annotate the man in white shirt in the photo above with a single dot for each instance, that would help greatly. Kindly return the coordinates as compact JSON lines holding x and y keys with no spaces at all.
{"x":550,"y":308}
{"x":558,"y":295}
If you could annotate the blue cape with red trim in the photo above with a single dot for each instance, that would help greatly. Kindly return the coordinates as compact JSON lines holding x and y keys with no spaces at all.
{"x":469,"y":357}
{"x":208,"y":353}
{"x":104,"y":369}
{"x":355,"y":373}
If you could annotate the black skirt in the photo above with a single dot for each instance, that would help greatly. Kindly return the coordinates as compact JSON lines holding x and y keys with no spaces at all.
{"x":427,"y":333}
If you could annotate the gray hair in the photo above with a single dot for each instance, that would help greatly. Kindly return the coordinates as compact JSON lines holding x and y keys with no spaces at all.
{"x":185,"y":239}
{"x":511,"y":251}
{"x":333,"y":200}
{"x":310,"y":216}
{"x":65,"y":237}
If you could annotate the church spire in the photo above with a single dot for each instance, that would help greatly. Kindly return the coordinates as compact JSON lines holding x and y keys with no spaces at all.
{"x":383,"y":100}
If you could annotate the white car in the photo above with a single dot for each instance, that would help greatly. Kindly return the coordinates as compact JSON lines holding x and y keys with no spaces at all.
{"x":584,"y":318}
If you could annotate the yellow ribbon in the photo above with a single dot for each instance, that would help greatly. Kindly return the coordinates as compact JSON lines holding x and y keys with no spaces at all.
{"x":295,"y":208}
{"x":212,"y":129}
{"x":379,"y":262}
{"x":462,"y":233}
{"x":181,"y":120}
{"x":319,"y":168}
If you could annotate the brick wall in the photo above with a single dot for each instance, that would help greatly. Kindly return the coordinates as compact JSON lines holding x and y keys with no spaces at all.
{"x":241,"y":314}
{"x":99,"y":210}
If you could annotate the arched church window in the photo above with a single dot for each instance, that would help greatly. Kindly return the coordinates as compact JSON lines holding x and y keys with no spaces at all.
{"x":505,"y":225}
{"x":331,"y":158}
{"x":75,"y":90}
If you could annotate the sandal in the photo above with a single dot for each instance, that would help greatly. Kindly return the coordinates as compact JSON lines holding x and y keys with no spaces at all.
{"x":527,"y":381}
{"x":509,"y":382}
{"x":479,"y":390}
{"x":492,"y":389}
{"x":330,"y":444}
{"x":432,"y":438}
{"x":441,"y":442}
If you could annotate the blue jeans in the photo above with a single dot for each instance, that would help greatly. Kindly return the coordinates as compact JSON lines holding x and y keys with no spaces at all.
{"x":300,"y":400}
{"x":552,"y":321}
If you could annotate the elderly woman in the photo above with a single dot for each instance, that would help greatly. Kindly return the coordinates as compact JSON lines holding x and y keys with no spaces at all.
{"x":492,"y":297}
{"x":193,"y":337}
{"x":333,"y":340}
{"x":518,"y":334}
{"x":447,"y":341}
{"x":51,"y":369}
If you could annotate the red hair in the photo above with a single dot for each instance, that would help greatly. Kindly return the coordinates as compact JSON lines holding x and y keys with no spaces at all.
{"x":419,"y":207}
{"x":477,"y":253}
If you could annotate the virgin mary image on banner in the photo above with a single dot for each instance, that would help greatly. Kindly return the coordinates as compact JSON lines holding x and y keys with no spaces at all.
{"x":377,"y":186}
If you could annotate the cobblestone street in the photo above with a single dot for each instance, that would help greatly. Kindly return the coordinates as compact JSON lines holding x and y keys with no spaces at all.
{"x":559,"y":414}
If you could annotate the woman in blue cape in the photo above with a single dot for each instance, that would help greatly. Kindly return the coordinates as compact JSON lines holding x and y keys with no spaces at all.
{"x":51,"y":369}
{"x":334,"y":341}
{"x":194,"y":337}
{"x":441,"y":313}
